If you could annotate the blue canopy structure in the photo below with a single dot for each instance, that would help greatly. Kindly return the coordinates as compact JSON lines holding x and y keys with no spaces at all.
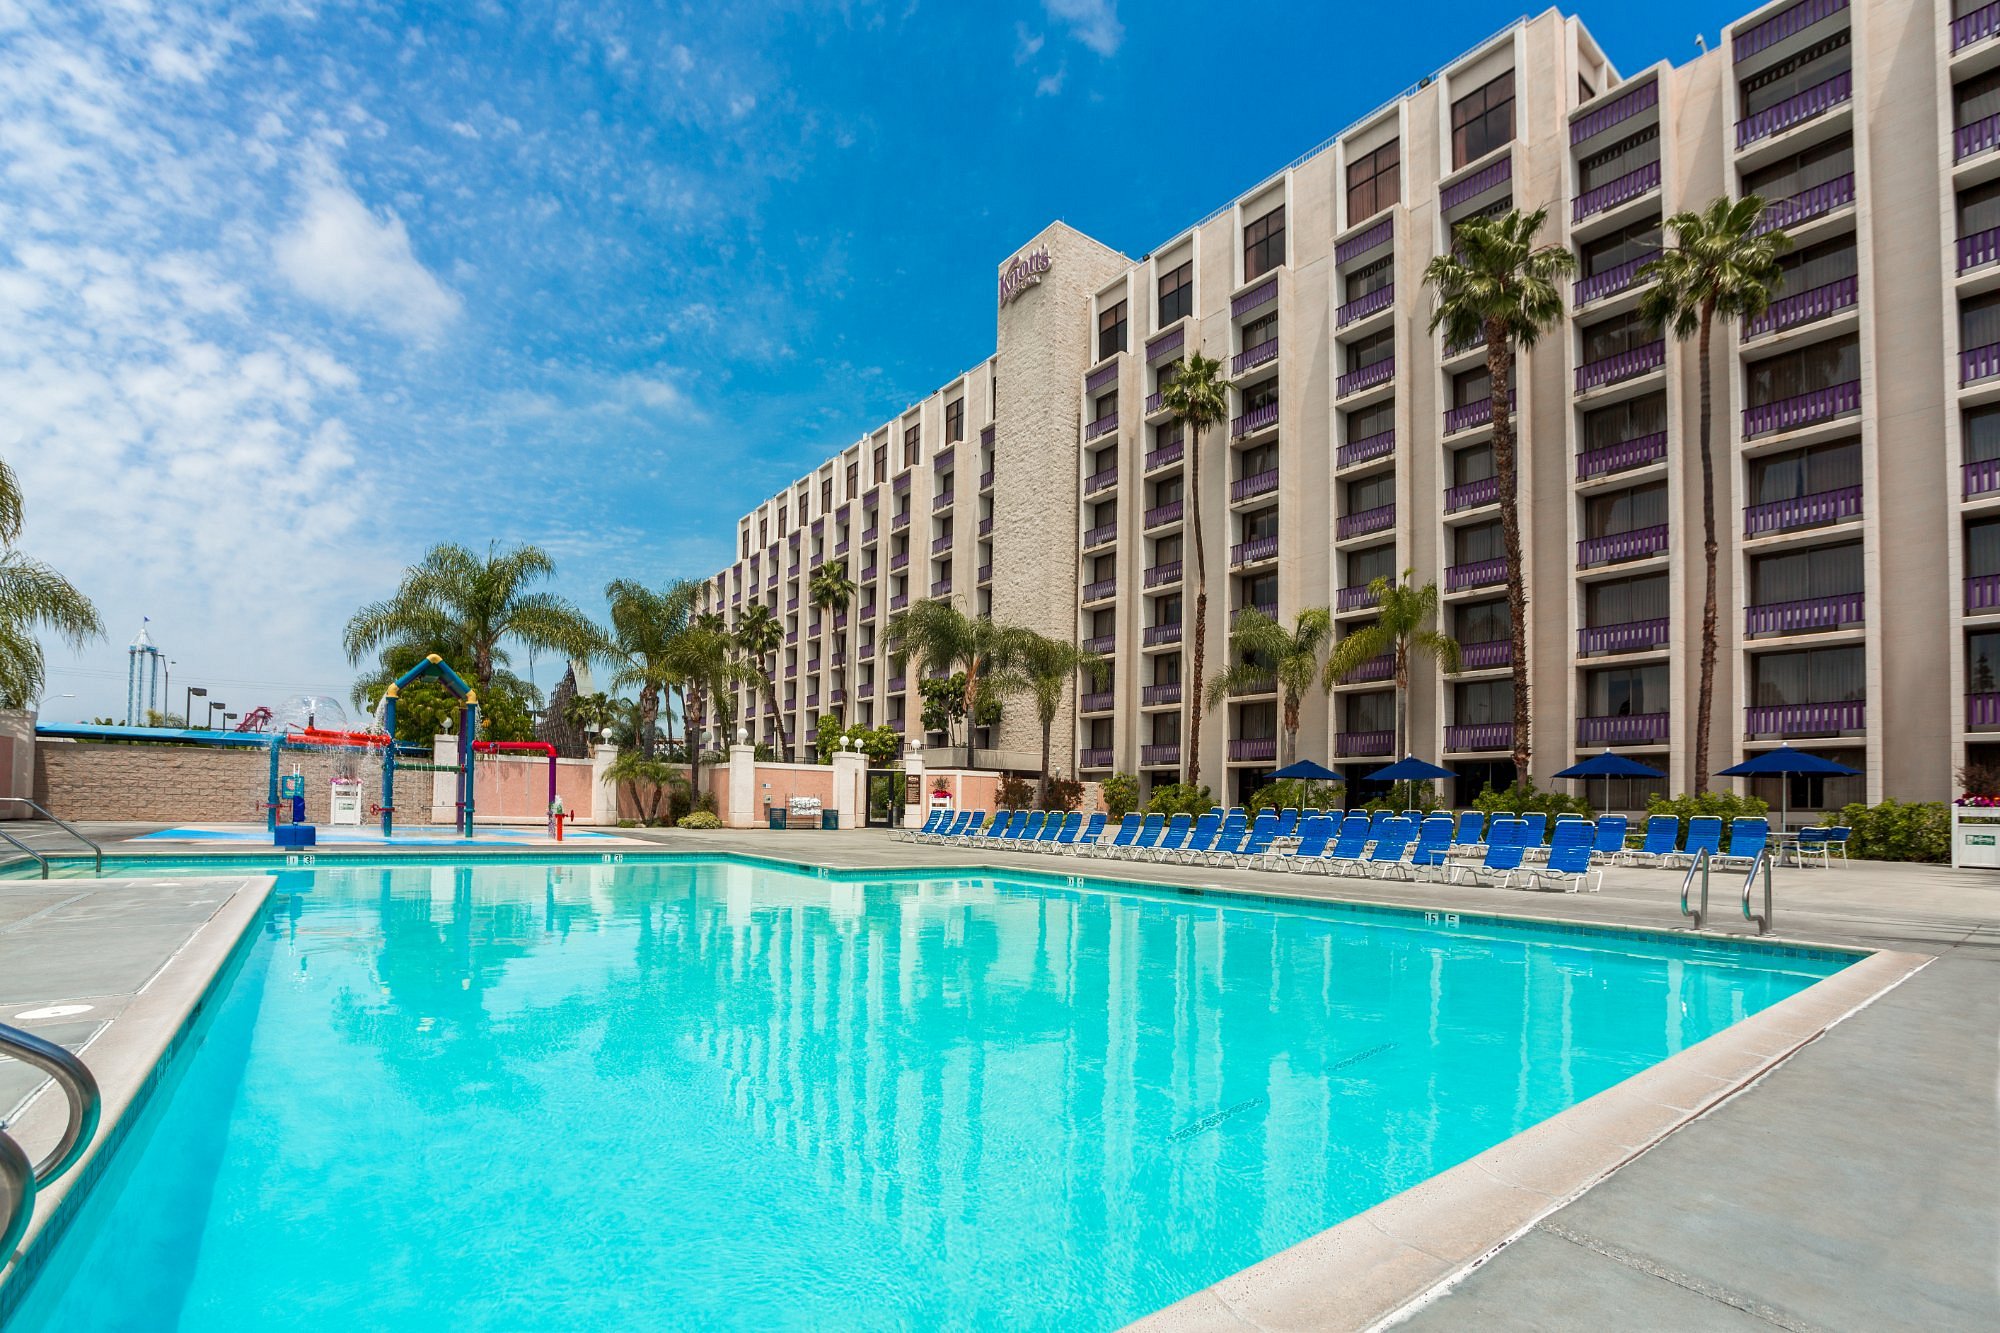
{"x":1784,"y":762}
{"x":1305,"y":770}
{"x":1608,"y":766}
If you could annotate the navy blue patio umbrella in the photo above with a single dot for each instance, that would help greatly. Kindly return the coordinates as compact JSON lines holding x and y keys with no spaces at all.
{"x":1410,"y":769}
{"x":1305,"y":770}
{"x":1608,"y":766}
{"x":1784,"y":762}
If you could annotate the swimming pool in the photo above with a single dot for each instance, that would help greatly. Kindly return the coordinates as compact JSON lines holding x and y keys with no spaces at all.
{"x":719,"y":1094}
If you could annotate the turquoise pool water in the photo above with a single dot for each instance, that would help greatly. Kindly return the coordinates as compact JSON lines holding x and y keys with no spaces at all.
{"x":719,"y":1095}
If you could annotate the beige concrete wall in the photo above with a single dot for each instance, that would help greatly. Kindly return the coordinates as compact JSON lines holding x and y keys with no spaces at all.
{"x":17,"y":762}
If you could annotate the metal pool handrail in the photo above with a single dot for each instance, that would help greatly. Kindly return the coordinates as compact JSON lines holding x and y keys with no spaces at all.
{"x":1762,"y":864}
{"x":79,"y":1087}
{"x":39,"y":859}
{"x":1700,"y":863}
{"x":17,"y":1194}
{"x":64,"y":825}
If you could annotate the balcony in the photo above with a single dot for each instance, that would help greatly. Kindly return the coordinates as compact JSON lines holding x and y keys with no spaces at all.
{"x":1605,"y":197}
{"x":1981,"y":247}
{"x":899,"y":601}
{"x":1098,"y":591}
{"x":1165,"y":454}
{"x":1359,"y":524}
{"x":1363,"y":241}
{"x":1369,"y":303}
{"x":1166,"y":344}
{"x":1628,"y":364}
{"x":985,"y":575}
{"x":1485,"y":656}
{"x":1983,"y":477}
{"x":1982,"y":711}
{"x":1621,"y":457}
{"x":1809,"y":409}
{"x":900,"y":485}
{"x":1814,"y":101}
{"x":1100,"y":701}
{"x":1981,"y":136}
{"x":1263,"y":483}
{"x":871,"y":532}
{"x":1488,"y":177}
{"x":1472,"y":494}
{"x":1164,"y":574}
{"x":1102,"y":644}
{"x":1155,"y":402}
{"x":1371,"y":447}
{"x":1159,"y":634}
{"x":1367,"y":377}
{"x":1253,"y":551}
{"x":1807,"y":204}
{"x":1262,"y":685}
{"x":1827,"y":719}
{"x":868,"y":574}
{"x":1262,"y":294}
{"x":899,"y":562}
{"x":867,"y":613}
{"x":1256,"y":419}
{"x":1785,"y":23}
{"x":840,"y":547}
{"x":1979,"y":363}
{"x":1355,"y":597}
{"x":943,"y":500}
{"x":1100,"y":481}
{"x":1619,"y":546}
{"x":1634,"y":636}
{"x":940,"y":545}
{"x":1094,"y":758}
{"x":1975,"y":27}
{"x":1616,"y":111}
{"x":1153,"y":696}
{"x":1608,"y":283}
{"x":792,"y":602}
{"x":986,"y":526}
{"x":1375,"y":668}
{"x":1253,"y":749}
{"x":1623,"y":729}
{"x":812,"y":701}
{"x":1103,"y":426}
{"x":1806,"y":307}
{"x":986,"y":481}
{"x":1160,"y":756}
{"x":1802,"y":511}
{"x":1100,"y":536}
{"x":1476,"y":574}
{"x":897,"y":522}
{"x":1468,"y":415}
{"x":941,"y":588}
{"x":1480,"y":736}
{"x":1805,"y":616}
{"x":1252,"y":357}
{"x":1160,"y":515}
{"x":897,"y":684}
{"x":1361,"y":744}
{"x":838,"y":697}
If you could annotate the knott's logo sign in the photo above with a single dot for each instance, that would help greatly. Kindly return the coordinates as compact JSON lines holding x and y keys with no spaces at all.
{"x":1022,"y":274}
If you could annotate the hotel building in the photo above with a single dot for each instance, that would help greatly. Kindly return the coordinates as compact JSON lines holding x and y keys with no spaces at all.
{"x":1856,"y":433}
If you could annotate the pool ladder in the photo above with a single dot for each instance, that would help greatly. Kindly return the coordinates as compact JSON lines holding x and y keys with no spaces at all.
{"x":1759,"y":869}
{"x":19,"y":1178}
{"x":96,"y":851}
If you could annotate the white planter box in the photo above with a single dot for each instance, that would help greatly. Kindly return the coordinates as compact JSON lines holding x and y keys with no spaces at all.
{"x":1975,"y":837}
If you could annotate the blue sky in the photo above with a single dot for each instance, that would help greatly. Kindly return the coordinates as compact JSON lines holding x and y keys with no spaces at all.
{"x":291,"y":290}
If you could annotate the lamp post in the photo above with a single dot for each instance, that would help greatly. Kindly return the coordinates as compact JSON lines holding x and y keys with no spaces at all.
{"x":187,"y":708}
{"x":213,"y":705}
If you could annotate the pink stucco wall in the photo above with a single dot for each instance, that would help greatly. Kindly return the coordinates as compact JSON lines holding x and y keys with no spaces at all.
{"x":516,"y":786}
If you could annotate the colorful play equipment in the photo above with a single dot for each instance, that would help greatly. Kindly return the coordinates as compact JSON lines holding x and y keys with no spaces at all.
{"x":543,"y":747}
{"x":468,"y":733}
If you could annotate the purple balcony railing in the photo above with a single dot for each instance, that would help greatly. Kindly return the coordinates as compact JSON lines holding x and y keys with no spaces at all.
{"x":985,"y":574}
{"x":1790,"y":312}
{"x":1101,"y":376}
{"x":1355,"y":597}
{"x":1165,"y":454}
{"x":1608,"y":283}
{"x":1153,"y":696}
{"x":1252,"y":357}
{"x":897,"y":522}
{"x":1380,"y":234}
{"x":1983,"y":477}
{"x":1262,"y":294}
{"x":1103,"y":643}
{"x":901,"y":560}
{"x":1094,"y":758}
{"x":1155,"y":402}
{"x":1802,"y":511}
{"x":1983,"y":710}
{"x":1100,"y":535}
{"x":1826,"y":719}
{"x":943,"y":500}
{"x":1365,"y":521}
{"x":1472,"y":494}
{"x":1162,"y":574}
{"x":1099,"y":701}
{"x":1102,"y":426}
{"x":868,"y":574}
{"x":1170,"y":512}
{"x":1476,"y":574}
{"x":944,"y":457}
{"x":1256,"y":419}
{"x":1625,"y":365}
{"x":1807,"y":204}
{"x":1467,"y":416}
{"x":1159,"y":756}
{"x":1361,"y":307}
{"x":1358,"y":744}
{"x":792,"y":603}
{"x":872,"y":531}
{"x":1485,"y":656}
{"x":986,"y":526}
{"x":1479,"y":182}
{"x":1781,"y":25}
{"x":939,"y":545}
{"x":1981,"y":136}
{"x":1620,"y":457}
{"x":1814,"y":101}
{"x":1354,"y":381}
{"x":1981,"y":247}
{"x":867,"y":613}
{"x":839,"y":622}
{"x":1167,"y":344}
{"x":1634,"y":545}
{"x":1603,"y":198}
{"x":1807,"y":409}
{"x":900,"y":484}
{"x":1101,"y":589}
{"x":838,"y":697}
{"x":1253,"y":748}
{"x":1375,"y":668}
{"x":1979,"y":363}
{"x":1480,"y":736}
{"x":791,"y":636}
{"x":1614,"y":112}
{"x":1263,"y":684}
{"x":1159,"y":634}
{"x":986,"y":480}
{"x":1100,"y":481}
{"x":1634,"y":636}
{"x":1380,"y":445}
{"x":899,"y":601}
{"x":1976,"y":26}
{"x":1263,"y":483}
{"x":897,"y":684}
{"x":1622,"y":729}
{"x":840,"y":547}
{"x":1805,"y":615}
{"x":1260,"y":548}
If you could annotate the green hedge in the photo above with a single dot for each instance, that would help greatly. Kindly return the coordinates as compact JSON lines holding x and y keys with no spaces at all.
{"x":1897,"y":831}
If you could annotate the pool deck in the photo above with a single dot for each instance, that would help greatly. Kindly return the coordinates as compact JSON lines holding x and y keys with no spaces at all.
{"x":1839,"y":1169}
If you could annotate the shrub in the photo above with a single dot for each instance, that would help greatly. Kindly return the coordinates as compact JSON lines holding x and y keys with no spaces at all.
{"x":1064,"y":794}
{"x":1979,"y":780}
{"x":1296,"y":794}
{"x":1179,"y":798}
{"x":1726,"y":805}
{"x":1015,"y":794}
{"x":1523,"y":798}
{"x":1121,"y":795}
{"x":1897,"y":830}
{"x":1403,"y":796}
{"x":700,"y":819}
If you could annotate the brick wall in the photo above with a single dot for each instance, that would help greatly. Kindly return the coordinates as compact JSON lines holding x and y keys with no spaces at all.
{"x":185,"y":784}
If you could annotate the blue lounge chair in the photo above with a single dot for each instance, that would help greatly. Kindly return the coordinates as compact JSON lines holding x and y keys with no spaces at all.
{"x":954,"y":822}
{"x":1748,"y":836}
{"x":1060,"y":832}
{"x":1093,"y":829}
{"x":1611,"y":832}
{"x":1537,"y":829}
{"x":1288,"y":823}
{"x":1836,"y":841}
{"x":997,"y":830}
{"x":1149,"y":837}
{"x":1378,"y":822}
{"x":1028,"y":829}
{"x":1172,"y":838}
{"x":1200,"y":840}
{"x":1704,"y":834}
{"x":1253,"y":842}
{"x":965,"y":832}
{"x":1128,"y":829}
{"x":1355,"y":823}
{"x":1568,"y":867}
{"x":1663,"y":833}
{"x":1346,"y":852}
{"x":1500,"y":866}
{"x":1315,"y":832}
{"x":1392,"y":846}
{"x":1433,"y":849}
{"x":931,"y":825}
{"x":1471,"y":830}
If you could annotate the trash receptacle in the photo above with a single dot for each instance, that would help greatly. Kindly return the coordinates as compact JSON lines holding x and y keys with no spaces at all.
{"x":829,"y":819}
{"x":777,"y":814}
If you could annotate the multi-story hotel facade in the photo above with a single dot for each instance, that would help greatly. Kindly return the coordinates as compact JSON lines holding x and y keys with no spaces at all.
{"x":1856,"y":434}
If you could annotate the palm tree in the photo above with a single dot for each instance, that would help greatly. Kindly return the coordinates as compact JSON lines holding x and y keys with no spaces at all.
{"x":32,"y":597}
{"x":1263,"y":648}
{"x":701,"y":659}
{"x":1403,"y":627}
{"x":830,"y":589}
{"x":1499,"y":287}
{"x":591,"y":714}
{"x":644,"y":622}
{"x":1196,"y":397}
{"x":10,"y":505}
{"x":453,"y":599}
{"x":943,"y":639}
{"x":1717,"y":265}
{"x":1044,"y":667}
{"x":759,"y":636}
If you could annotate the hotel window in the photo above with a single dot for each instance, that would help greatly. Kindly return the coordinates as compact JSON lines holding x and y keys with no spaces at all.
{"x":1372,"y":350}
{"x":763,"y":531}
{"x":1482,"y":120}
{"x":1633,"y":419}
{"x":1373,"y":711}
{"x":1368,"y":422}
{"x":1476,"y":543}
{"x":881,"y":463}
{"x":1110,"y":331}
{"x":1165,"y":373}
{"x":1106,"y":406}
{"x":1471,"y":386}
{"x":783,"y":515}
{"x":1625,"y":691}
{"x":954,"y":421}
{"x":1256,"y":462}
{"x":1260,"y":395}
{"x":1631,"y":510}
{"x":1797,"y":472}
{"x":1982,"y":662}
{"x":1802,"y":171}
{"x":1376,"y":492}
{"x":912,"y":441}
{"x":1807,"y":370}
{"x":1260,"y":331}
{"x":1619,"y":160}
{"x":1636,"y":243}
{"x":1365,"y":566}
{"x":1371,"y":277}
{"x":1260,"y":524}
{"x":826,"y":495}
{"x":1374,"y":181}
{"x":1789,"y":77}
{"x":1982,"y":548}
{"x":1476,"y":701}
{"x":1810,"y":676}
{"x":1818,"y":266}
{"x":1167,"y":669}
{"x":1177,"y":293}
{"x":1470,"y":465}
{"x":1167,"y":610}
{"x":1979,"y":209}
{"x":1982,"y":434}
{"x":1261,"y":592}
{"x":853,"y":479}
{"x":1264,"y":244}
{"x":1800,"y":576}
{"x":1615,"y":336}
{"x":1625,"y":601}
{"x":1482,"y":622}
{"x":1979,"y":321}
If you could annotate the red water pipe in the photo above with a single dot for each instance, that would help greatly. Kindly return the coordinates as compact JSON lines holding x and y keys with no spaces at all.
{"x":319,"y":736}
{"x":543,"y":746}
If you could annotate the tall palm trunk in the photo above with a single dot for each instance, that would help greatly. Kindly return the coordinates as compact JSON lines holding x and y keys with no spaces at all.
{"x":1499,"y":372}
{"x":1705,"y":697}
{"x":1191,"y":764}
{"x":1042,"y":785}
{"x":777,"y":714}
{"x":1291,"y":740}
{"x":649,"y":715}
{"x":1402,"y":700}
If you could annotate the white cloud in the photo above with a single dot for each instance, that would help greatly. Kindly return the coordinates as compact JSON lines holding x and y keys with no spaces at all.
{"x":1027,"y":45}
{"x":1092,"y":22}
{"x":1051,"y":84}
{"x":351,"y":259}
